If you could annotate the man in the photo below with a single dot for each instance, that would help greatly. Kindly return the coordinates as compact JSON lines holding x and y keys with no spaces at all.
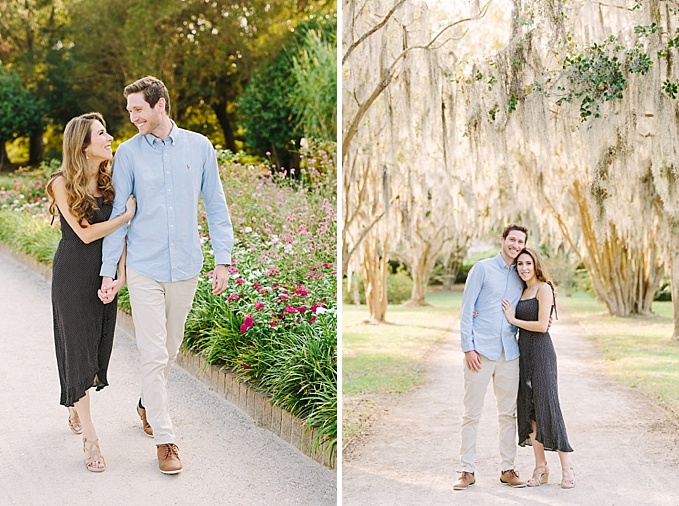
{"x":491,"y":352}
{"x":166,"y":168}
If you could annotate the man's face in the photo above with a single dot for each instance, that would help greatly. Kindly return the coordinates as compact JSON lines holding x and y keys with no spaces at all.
{"x":146,"y":118}
{"x":513,"y":243}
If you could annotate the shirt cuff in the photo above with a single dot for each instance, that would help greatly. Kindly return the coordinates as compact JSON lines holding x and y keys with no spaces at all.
{"x":223,"y":258}
{"x":108,"y":270}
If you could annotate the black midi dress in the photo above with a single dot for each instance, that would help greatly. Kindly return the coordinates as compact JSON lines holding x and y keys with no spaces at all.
{"x":538,"y":397}
{"x":83,"y":324}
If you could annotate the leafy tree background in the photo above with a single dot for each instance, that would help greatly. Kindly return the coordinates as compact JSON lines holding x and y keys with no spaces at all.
{"x":77,"y":56}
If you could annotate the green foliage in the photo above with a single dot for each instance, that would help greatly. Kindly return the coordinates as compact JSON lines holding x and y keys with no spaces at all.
{"x":671,"y":88}
{"x":314,"y":95}
{"x":21,"y":112}
{"x":270,"y":104}
{"x":31,"y":236}
{"x":598,"y":74}
{"x":399,"y":288}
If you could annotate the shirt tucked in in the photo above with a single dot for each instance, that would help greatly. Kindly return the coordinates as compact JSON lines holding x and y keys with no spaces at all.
{"x":167,"y":177}
{"x":490,"y":334}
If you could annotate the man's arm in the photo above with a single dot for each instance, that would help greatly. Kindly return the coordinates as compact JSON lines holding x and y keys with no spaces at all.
{"x":219,"y":220}
{"x":472,"y":289}
{"x":113,"y":243}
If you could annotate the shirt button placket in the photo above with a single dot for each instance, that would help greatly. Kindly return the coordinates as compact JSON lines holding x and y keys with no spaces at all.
{"x":169,"y":201}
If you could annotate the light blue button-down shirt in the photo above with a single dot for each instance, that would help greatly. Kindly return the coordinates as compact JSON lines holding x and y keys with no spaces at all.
{"x":167,"y":177}
{"x":490,"y":334}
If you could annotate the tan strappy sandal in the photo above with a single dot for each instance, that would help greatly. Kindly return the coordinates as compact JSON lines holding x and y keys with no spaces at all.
{"x":540,"y":476}
{"x":93,"y":455}
{"x":74,"y":421}
{"x":568,"y":478}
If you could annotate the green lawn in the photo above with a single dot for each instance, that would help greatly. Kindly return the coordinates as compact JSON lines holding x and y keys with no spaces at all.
{"x":380,"y":362}
{"x":637,"y":350}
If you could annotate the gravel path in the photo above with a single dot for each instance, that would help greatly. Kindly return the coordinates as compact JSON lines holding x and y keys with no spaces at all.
{"x":227,"y":459}
{"x":626,"y":448}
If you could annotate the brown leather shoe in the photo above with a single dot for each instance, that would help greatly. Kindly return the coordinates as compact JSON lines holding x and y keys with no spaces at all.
{"x":465,"y":481}
{"x":511,"y":478}
{"x":145,"y":424}
{"x":168,"y":459}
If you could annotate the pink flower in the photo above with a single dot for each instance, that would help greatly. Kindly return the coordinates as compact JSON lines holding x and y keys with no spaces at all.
{"x":256,"y":285}
{"x":312,"y":319}
{"x":273,"y":323}
{"x":233,"y":270}
{"x":203,"y":217}
{"x":289,"y":309}
{"x":284,"y":297}
{"x":246,"y":366}
{"x":247,"y":323}
{"x":240,"y":281}
{"x":315,"y":307}
{"x":273,"y":272}
{"x":300,"y":309}
{"x":259,"y":305}
{"x":233,"y":297}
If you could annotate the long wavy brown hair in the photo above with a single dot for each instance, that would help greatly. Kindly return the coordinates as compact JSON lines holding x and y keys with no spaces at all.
{"x":75,"y":170}
{"x":541,"y":272}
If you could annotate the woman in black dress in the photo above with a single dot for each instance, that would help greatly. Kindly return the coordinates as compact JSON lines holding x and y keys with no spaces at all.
{"x":539,"y":418}
{"x":82,"y":195}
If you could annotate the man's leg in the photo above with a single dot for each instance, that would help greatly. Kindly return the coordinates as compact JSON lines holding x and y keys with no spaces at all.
{"x":178,"y":300}
{"x":506,"y":386}
{"x":147,"y":298}
{"x":475,"y":387}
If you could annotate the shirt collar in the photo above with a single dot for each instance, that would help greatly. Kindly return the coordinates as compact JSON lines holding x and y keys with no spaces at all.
{"x":152,"y":139}
{"x":502,"y":264}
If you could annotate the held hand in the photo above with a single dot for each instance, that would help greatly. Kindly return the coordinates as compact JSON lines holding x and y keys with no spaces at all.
{"x":130,"y":207}
{"x":473,"y":360}
{"x":220,"y":279}
{"x":508,"y":309}
{"x":475,"y":313}
{"x":103,"y":292}
{"x":111,"y":291}
{"x":551,"y":319}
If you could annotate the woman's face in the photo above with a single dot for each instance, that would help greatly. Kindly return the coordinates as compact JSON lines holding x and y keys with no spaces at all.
{"x":525,"y":266}
{"x":100,"y":143}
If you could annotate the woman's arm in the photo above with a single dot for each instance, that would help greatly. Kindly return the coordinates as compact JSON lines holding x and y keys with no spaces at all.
{"x":97,"y":230}
{"x":545,"y":299}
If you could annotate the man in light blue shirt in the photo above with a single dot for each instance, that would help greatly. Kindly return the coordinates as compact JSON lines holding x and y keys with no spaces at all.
{"x":491,"y":352}
{"x":167,"y":169}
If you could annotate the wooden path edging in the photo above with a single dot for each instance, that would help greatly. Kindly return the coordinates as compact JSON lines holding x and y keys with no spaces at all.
{"x":255,"y":403}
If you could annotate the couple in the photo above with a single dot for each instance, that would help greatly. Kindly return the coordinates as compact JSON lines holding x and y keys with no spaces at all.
{"x":135,"y":222}
{"x":512,"y":290}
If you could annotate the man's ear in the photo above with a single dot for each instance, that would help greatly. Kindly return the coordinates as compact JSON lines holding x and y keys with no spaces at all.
{"x":161,"y":104}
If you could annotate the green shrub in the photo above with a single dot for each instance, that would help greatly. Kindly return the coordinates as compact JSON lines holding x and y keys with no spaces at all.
{"x":399,"y":288}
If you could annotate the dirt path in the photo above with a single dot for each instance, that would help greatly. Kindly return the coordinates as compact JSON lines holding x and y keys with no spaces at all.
{"x":227,"y":459}
{"x":626,"y":449}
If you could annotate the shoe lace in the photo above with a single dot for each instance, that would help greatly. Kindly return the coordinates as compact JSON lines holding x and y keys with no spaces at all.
{"x":171,"y":449}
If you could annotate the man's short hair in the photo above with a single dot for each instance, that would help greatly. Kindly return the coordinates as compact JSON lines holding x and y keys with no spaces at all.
{"x":514,"y":226}
{"x":153,"y":89}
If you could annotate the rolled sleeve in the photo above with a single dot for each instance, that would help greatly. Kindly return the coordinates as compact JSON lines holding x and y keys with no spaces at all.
{"x":115,"y":241}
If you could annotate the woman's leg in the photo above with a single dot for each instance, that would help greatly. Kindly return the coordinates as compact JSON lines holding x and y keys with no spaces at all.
{"x":541,"y":471}
{"x":567,"y":472}
{"x":93,"y":460}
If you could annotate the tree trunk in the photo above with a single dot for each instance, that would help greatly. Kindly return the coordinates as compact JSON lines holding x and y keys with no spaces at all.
{"x":674,"y":277}
{"x":225,"y":122}
{"x":36,"y":149}
{"x":374,"y":268}
{"x":4,"y":159}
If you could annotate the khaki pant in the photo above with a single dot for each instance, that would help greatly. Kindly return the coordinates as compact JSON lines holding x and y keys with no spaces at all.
{"x":505,"y":376}
{"x":159,"y":311}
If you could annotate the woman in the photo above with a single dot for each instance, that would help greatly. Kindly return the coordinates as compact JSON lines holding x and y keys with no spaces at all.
{"x":82,"y":195}
{"x":540,"y":423}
